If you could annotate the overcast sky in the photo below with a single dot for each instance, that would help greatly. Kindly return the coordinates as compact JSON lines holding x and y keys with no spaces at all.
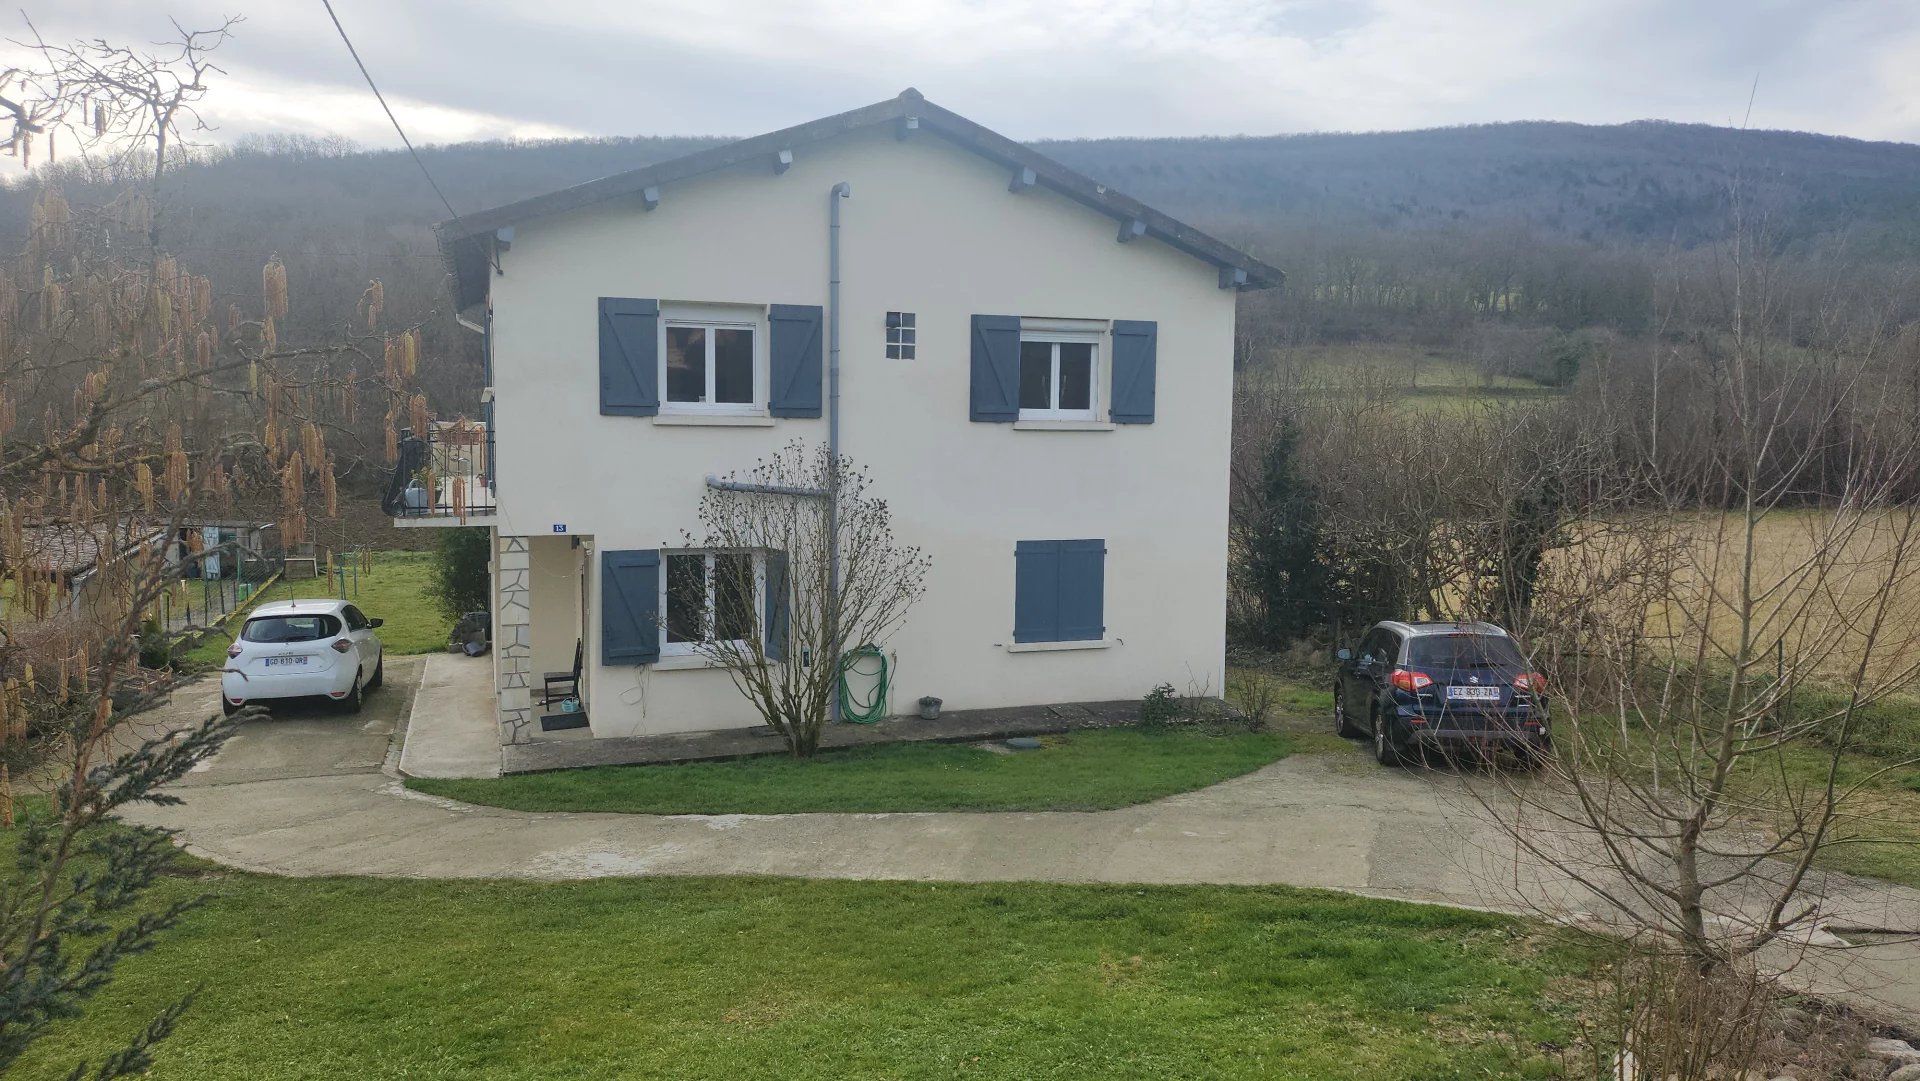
{"x":471,"y":69}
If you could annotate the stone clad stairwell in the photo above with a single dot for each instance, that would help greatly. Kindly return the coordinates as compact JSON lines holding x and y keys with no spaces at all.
{"x":512,"y":638}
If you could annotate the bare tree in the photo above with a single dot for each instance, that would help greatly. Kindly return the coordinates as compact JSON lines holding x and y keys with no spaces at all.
{"x":131,"y":102}
{"x":806,"y":568}
{"x":1737,"y":587}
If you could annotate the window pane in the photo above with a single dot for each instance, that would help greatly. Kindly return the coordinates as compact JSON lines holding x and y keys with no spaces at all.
{"x":733,"y":596}
{"x":893,"y":320}
{"x":686,"y":597}
{"x":1464,"y":651}
{"x":686,"y":364}
{"x":906,"y":319}
{"x":733,"y":366}
{"x":1076,"y":375}
{"x":1036,"y":375}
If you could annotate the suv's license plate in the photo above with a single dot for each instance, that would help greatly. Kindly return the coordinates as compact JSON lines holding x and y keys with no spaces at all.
{"x":1474,"y":694}
{"x":272,"y":661}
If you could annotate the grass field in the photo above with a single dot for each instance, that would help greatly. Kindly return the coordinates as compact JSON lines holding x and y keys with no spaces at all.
{"x":1416,"y":378}
{"x":394,"y":590}
{"x":769,"y":978}
{"x":1088,"y":770}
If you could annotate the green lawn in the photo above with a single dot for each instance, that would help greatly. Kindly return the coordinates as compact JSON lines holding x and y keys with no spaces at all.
{"x":395,"y":590}
{"x":776,"y":978}
{"x":1087,"y":770}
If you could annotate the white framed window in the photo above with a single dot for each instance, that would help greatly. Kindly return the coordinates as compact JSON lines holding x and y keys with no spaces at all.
{"x":902,"y":336}
{"x":712,"y":360}
{"x":709,"y":596}
{"x":1059,"y":375}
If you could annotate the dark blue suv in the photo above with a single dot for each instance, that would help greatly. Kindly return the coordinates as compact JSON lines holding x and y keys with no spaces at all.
{"x":1409,"y":686}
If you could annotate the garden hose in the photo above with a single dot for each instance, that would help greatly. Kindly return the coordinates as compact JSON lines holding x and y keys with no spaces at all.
{"x":875,"y":707}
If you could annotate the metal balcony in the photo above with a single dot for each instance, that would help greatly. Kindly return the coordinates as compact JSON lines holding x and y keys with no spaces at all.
{"x":445,"y":478}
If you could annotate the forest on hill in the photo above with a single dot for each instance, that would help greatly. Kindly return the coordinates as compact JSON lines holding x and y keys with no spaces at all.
{"x":1415,"y":236}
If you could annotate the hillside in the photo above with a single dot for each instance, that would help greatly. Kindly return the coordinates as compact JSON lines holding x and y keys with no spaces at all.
{"x":1627,"y":183}
{"x":1645,"y":182}
{"x":1442,"y":221}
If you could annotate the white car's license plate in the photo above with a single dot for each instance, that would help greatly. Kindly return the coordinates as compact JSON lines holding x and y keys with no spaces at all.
{"x":273,"y":662}
{"x":1474,"y":694}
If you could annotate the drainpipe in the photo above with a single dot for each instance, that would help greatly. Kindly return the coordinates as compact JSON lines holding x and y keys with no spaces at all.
{"x":840,"y":191}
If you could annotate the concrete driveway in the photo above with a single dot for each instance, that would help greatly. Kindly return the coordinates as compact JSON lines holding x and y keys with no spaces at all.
{"x":301,"y":739}
{"x":315,"y":792}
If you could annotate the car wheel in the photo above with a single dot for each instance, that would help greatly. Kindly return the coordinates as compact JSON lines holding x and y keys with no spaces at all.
{"x":228,"y":708}
{"x":1341,"y":726}
{"x":379,"y":673}
{"x":351,"y":703}
{"x":1386,"y":750}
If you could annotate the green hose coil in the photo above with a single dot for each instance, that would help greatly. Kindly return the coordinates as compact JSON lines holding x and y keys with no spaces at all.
{"x":875,"y":707}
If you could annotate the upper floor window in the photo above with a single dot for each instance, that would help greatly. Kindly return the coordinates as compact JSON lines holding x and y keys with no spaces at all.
{"x":902,"y":336}
{"x":710,"y":362}
{"x":1058,"y":373}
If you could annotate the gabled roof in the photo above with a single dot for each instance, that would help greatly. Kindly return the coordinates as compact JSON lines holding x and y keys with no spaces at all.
{"x":467,"y":241}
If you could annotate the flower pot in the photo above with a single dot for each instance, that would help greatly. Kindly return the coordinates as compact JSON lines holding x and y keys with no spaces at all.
{"x":930,"y":709}
{"x":415,"y":499}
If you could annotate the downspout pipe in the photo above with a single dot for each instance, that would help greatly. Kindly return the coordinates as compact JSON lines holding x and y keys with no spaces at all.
{"x":835,"y":196}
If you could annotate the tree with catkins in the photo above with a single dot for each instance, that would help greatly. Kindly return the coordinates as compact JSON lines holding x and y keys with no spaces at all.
{"x":128,"y":408}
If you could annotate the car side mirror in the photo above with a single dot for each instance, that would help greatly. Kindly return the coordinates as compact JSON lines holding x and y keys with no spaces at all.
{"x":375,"y":622}
{"x":1344,"y":655}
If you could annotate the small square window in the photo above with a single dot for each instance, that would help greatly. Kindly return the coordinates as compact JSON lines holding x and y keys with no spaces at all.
{"x":902,"y":336}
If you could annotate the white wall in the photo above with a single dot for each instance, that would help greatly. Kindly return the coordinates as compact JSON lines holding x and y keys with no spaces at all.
{"x":931,"y":229}
{"x":554,"y":566}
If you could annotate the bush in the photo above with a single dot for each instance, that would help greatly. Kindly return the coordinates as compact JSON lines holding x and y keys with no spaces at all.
{"x":461,"y":583}
{"x":156,"y":651}
{"x":1160,"y":707}
{"x":1254,"y":700}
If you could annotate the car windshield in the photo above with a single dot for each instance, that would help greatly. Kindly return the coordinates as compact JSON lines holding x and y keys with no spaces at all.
{"x":277,"y":629}
{"x":1463,"y":651}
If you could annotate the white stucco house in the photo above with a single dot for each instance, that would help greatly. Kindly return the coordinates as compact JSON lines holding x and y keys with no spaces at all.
{"x":1036,"y":370}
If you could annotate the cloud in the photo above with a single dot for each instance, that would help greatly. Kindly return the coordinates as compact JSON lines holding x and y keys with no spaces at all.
{"x":466,"y":69}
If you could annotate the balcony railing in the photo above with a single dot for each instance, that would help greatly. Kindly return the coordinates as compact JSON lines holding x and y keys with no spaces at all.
{"x":446,"y":475}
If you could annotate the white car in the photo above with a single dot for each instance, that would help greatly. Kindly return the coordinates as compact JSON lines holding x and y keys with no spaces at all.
{"x":303,"y":649}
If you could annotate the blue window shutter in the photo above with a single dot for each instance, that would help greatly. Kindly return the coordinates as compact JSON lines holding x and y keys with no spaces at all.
{"x":630,"y":607}
{"x":995,"y":373}
{"x":777,"y":606}
{"x":629,"y":357}
{"x":1083,"y":590}
{"x":793,"y":359}
{"x":1036,"y":591}
{"x":1135,"y":341}
{"x":1059,"y":590}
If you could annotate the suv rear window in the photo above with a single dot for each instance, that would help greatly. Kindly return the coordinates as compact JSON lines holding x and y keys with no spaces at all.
{"x":274,"y":629}
{"x":1463,"y":651}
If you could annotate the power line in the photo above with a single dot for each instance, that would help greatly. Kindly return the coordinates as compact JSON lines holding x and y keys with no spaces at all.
{"x":382,"y":99}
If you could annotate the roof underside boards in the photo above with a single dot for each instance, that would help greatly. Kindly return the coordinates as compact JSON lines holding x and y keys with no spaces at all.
{"x":468,"y":242}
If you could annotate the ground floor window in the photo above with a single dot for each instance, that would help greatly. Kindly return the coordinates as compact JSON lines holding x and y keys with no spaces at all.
{"x":709,"y":597}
